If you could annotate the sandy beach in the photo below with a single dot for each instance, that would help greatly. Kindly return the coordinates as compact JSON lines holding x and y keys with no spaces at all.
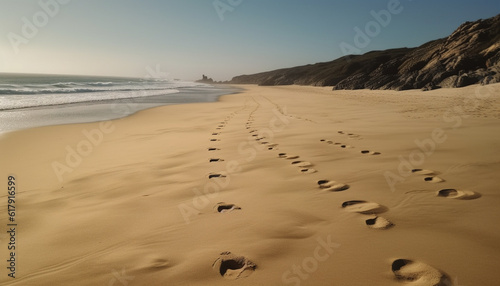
{"x":285,"y":185}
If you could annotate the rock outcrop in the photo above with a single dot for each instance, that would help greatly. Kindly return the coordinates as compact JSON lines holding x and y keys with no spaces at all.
{"x":471,"y":55}
{"x":205,"y":79}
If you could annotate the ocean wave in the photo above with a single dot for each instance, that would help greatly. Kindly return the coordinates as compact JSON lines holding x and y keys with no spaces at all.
{"x":21,"y":91}
{"x":24,"y":91}
{"x":87,"y":87}
{"x":23,"y":101}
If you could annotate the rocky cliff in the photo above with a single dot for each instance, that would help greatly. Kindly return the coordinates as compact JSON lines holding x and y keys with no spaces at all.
{"x":470,"y":55}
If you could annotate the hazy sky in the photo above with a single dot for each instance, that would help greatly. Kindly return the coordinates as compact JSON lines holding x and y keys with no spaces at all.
{"x":221,"y":38}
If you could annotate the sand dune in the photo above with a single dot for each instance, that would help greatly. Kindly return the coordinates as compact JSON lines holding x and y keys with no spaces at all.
{"x":187,"y":195}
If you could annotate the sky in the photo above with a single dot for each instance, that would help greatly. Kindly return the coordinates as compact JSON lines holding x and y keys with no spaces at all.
{"x":220,"y":38}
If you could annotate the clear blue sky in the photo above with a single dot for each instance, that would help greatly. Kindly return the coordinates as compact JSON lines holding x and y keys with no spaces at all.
{"x":188,"y":37}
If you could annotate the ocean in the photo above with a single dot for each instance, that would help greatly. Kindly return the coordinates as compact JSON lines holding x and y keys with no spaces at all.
{"x":30,"y":100}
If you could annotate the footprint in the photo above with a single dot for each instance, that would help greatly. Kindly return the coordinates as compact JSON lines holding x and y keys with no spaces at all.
{"x":423,"y":172}
{"x":332,"y":186}
{"x":223,"y":207}
{"x":214,"y":140}
{"x":419,"y":273}
{"x":215,"y":134}
{"x":368,"y":152}
{"x":215,"y":160}
{"x":346,"y":146}
{"x":351,"y":135}
{"x":379,"y":223}
{"x":363,"y":207}
{"x":289,"y":157}
{"x":308,"y":171}
{"x":433,"y":180}
{"x":211,"y":176}
{"x":213,"y":149}
{"x":232,"y":267}
{"x":458,"y":194}
{"x":327,"y":141}
{"x":302,"y":164}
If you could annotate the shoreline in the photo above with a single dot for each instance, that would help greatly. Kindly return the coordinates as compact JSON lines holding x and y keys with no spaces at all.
{"x":95,"y":111}
{"x":137,"y":196}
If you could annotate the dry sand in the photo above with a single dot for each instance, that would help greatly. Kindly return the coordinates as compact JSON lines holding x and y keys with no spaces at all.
{"x":138,"y":208}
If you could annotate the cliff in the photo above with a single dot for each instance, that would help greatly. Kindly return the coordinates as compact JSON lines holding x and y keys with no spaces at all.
{"x":470,"y":55}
